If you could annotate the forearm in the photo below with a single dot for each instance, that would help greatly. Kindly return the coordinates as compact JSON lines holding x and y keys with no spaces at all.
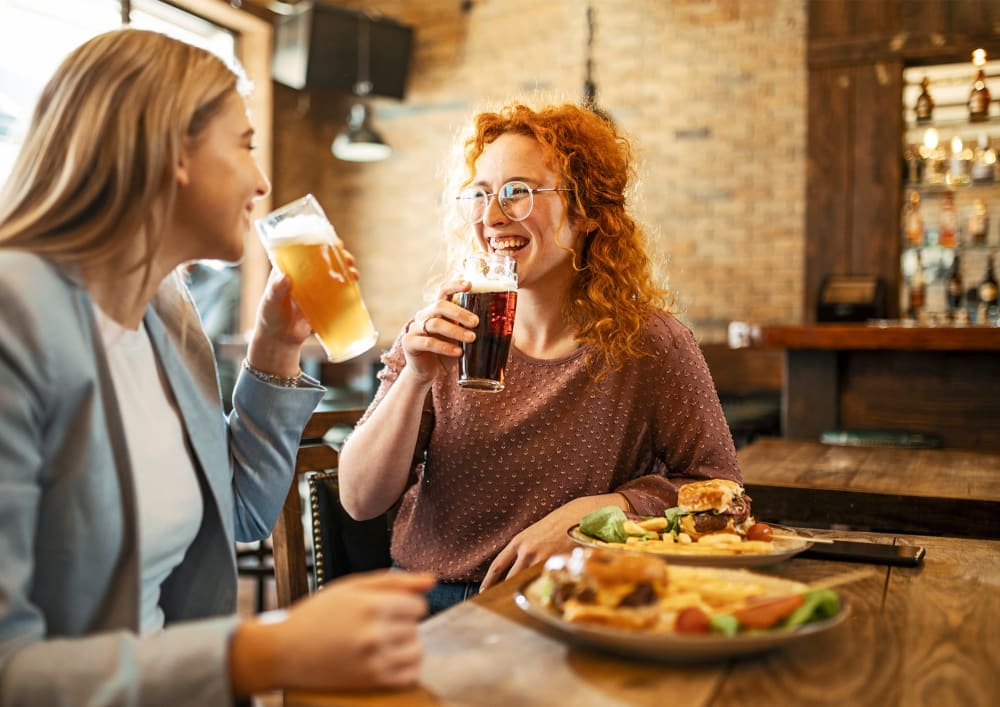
{"x":376,"y":459}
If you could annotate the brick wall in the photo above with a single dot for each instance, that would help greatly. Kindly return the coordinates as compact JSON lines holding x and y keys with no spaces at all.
{"x":712,"y":93}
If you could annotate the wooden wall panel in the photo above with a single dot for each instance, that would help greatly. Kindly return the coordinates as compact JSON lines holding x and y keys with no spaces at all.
{"x":876,"y":174}
{"x":828,"y":179}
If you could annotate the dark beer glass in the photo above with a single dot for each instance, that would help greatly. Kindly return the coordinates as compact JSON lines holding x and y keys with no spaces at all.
{"x":493,"y":298}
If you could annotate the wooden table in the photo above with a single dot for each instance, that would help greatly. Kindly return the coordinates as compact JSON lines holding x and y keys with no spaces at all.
{"x":935,"y":491}
{"x":923,"y":636}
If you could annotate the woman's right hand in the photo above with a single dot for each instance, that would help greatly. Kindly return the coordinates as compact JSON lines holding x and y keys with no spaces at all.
{"x":357,"y":632}
{"x":433,"y":342}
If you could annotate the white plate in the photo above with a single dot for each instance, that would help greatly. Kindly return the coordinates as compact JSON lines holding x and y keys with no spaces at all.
{"x":670,"y":647}
{"x":784,"y":548}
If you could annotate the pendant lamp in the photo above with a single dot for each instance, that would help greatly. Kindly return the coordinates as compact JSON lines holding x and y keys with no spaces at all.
{"x":360,"y":141}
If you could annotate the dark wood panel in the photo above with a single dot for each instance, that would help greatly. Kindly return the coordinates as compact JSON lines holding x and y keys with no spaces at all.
{"x":953,"y":395}
{"x":810,"y":401}
{"x":828,"y":179}
{"x":875,"y":18}
{"x":744,"y":371}
{"x":877,"y":175}
{"x":829,"y":19}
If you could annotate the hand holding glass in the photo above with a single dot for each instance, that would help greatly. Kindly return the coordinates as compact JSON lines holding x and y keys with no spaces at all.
{"x":493,"y":298}
{"x":302,"y":244}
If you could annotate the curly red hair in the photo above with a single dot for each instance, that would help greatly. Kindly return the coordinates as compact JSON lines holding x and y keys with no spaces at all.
{"x":613,"y":293}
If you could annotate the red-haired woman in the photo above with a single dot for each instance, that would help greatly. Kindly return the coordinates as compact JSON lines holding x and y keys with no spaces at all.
{"x":608,"y":400}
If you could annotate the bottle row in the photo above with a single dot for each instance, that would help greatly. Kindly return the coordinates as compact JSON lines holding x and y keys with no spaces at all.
{"x":978,"y":102}
{"x":947,"y":222}
{"x":939,"y":282}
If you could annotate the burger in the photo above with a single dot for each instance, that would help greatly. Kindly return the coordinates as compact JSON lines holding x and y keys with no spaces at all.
{"x":606,"y":588}
{"x":711,"y":506}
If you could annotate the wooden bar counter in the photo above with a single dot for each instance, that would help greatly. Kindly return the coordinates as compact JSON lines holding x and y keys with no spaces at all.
{"x":914,"y":637}
{"x":942,"y":381}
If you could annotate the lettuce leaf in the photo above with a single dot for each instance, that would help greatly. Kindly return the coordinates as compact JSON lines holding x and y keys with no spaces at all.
{"x":817,"y":604}
{"x":605,"y":523}
{"x":673,"y":516}
{"x":726,"y":624}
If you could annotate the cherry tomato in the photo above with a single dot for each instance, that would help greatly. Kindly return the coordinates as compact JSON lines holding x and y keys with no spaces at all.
{"x":759,"y":531}
{"x":691,"y":620}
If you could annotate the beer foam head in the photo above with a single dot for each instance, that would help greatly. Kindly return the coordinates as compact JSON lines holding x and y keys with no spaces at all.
{"x":495,"y":284}
{"x":301,"y":230}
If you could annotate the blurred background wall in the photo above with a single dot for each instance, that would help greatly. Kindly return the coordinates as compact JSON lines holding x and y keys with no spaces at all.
{"x":712,"y":92}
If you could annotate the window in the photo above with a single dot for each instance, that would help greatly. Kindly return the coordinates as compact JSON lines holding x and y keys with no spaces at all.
{"x":27,"y":61}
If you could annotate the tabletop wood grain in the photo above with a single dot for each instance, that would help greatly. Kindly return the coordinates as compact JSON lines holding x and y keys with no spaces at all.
{"x":947,"y":491}
{"x":915,"y":636}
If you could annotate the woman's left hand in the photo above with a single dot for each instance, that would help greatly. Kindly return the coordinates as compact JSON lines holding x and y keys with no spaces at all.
{"x":539,"y":541}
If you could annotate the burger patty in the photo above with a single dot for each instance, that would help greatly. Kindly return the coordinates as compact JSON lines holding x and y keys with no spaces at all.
{"x":709,"y":522}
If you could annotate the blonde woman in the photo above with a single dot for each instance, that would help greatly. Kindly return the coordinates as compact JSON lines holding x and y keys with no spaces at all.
{"x":122,"y":485}
{"x":608,"y":400}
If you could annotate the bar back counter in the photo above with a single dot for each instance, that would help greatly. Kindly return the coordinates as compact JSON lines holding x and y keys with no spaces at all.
{"x":941,"y":381}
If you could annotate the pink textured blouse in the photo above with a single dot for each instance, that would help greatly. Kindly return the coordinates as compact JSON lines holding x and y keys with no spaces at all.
{"x":487,"y":465}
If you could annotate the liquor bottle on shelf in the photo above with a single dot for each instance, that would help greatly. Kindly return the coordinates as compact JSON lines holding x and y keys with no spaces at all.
{"x":988,"y":295}
{"x":924,"y":107}
{"x":948,"y":222}
{"x":913,"y":221}
{"x":984,"y":161}
{"x":918,"y":290}
{"x":955,"y":290}
{"x":958,"y":164}
{"x":979,"y":97}
{"x":979,"y":223}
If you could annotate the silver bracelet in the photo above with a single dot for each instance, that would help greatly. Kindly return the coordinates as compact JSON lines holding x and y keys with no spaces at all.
{"x":289,"y":382}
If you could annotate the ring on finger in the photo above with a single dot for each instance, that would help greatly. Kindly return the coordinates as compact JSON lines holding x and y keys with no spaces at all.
{"x":423,"y":327}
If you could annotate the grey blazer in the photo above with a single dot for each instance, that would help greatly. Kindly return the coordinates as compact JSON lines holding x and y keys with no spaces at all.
{"x":69,"y":561}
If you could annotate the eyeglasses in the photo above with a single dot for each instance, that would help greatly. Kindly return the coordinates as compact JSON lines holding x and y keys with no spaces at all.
{"x":516,"y":200}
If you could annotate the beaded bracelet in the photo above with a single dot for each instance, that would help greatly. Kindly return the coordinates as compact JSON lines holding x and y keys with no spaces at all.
{"x":289,"y":382}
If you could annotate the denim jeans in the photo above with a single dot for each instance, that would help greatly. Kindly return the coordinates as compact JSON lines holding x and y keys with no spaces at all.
{"x":446,"y":594}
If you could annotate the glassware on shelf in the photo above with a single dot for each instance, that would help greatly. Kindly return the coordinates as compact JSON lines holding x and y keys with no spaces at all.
{"x":984,"y":161}
{"x":958,"y":164}
{"x":934,"y":158}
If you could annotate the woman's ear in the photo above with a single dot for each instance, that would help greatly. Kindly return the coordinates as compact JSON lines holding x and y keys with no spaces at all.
{"x":182,"y":170}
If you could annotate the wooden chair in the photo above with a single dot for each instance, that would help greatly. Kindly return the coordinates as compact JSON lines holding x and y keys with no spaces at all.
{"x":331,"y":529}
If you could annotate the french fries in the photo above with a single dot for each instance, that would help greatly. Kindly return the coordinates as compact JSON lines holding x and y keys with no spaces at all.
{"x":643,"y":535}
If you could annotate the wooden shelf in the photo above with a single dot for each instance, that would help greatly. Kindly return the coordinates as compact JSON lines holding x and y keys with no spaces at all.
{"x":896,"y":337}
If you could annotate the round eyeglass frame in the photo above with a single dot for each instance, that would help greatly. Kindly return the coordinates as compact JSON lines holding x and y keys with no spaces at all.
{"x":468,"y":197}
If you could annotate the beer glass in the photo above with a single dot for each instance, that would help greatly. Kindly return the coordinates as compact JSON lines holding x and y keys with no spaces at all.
{"x":493,"y":298}
{"x":302,"y":244}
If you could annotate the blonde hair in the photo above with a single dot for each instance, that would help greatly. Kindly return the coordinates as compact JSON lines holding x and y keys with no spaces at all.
{"x":96,"y":167}
{"x":613,"y":292}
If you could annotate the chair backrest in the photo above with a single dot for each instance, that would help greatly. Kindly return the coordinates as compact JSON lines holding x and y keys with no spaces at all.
{"x":291,"y":573}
